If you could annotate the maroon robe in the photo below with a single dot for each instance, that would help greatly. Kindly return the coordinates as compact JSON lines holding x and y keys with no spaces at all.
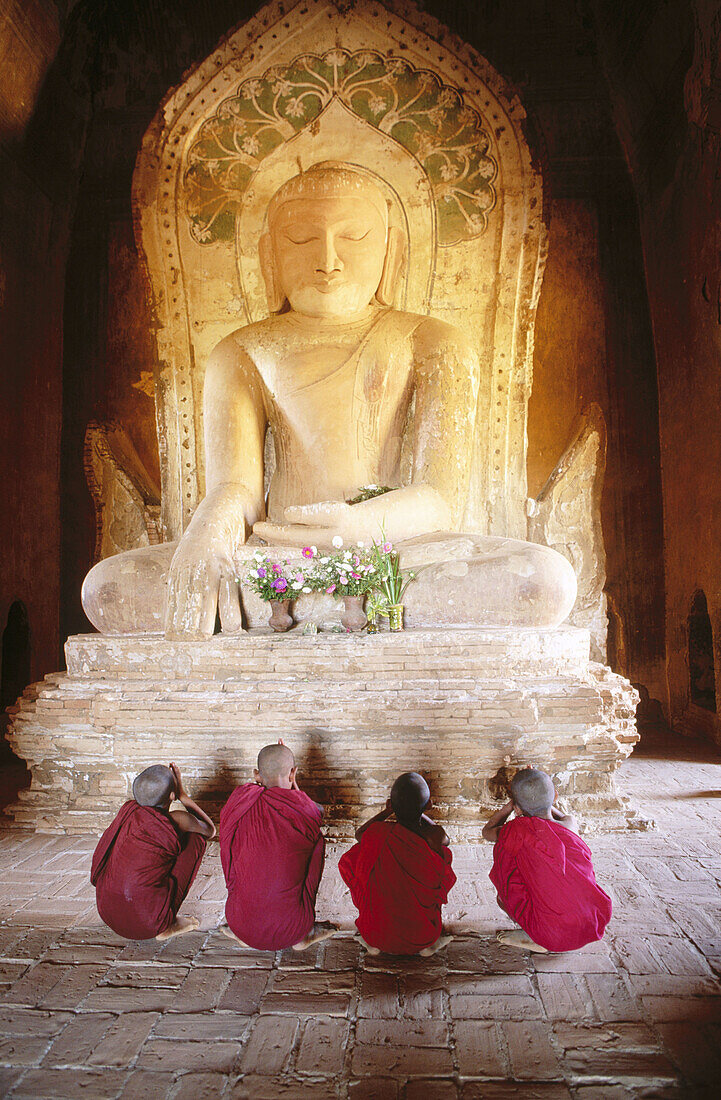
{"x":142,"y":870}
{"x":544,"y":877}
{"x":272,"y":852}
{"x":398,"y":883}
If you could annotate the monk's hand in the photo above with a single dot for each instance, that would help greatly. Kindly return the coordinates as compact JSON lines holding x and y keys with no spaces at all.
{"x":179,"y":788}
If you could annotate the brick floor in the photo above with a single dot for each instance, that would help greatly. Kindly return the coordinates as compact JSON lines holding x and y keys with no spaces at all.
{"x":83,"y":1013}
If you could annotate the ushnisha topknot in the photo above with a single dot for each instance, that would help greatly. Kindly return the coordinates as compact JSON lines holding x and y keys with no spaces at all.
{"x":153,"y":786}
{"x":332,"y":178}
{"x":273,"y":762}
{"x":532,"y":791}
{"x":409,"y":797}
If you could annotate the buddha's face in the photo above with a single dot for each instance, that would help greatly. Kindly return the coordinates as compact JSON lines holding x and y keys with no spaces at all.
{"x":329,"y":254}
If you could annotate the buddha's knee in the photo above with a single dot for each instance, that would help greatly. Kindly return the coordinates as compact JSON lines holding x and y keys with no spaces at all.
{"x":503,"y":582}
{"x":126,"y":594}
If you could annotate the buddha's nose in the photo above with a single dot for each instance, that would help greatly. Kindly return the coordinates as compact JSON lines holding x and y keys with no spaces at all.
{"x":328,"y":259}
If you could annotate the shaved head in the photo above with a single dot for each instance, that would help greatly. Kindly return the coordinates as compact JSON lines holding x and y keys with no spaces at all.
{"x":155,"y":786}
{"x":274,"y":762}
{"x":409,"y":797}
{"x":532,"y":791}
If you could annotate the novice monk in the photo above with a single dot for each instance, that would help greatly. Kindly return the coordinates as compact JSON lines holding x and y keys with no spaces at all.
{"x":543,"y":872}
{"x":399,"y":874}
{"x":145,"y":862}
{"x":272,"y":852}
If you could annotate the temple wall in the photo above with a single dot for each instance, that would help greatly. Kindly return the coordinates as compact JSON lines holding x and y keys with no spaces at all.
{"x":664,"y":67}
{"x":41,"y":142}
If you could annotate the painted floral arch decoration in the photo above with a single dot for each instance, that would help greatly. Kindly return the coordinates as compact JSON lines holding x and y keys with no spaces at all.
{"x":412,"y":106}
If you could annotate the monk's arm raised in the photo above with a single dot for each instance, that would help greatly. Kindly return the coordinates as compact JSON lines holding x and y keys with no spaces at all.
{"x":496,"y":822}
{"x":202,"y":570}
{"x":191,"y":819}
{"x":567,"y":820}
{"x":383,"y":815}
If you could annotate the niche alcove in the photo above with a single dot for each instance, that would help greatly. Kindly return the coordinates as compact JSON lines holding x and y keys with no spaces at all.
{"x":391,"y":91}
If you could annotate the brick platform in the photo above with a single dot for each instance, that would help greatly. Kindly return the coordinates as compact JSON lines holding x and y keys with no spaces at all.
{"x":356,"y":710}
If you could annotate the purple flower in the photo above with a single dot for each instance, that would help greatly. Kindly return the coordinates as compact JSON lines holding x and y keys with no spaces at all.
{"x":262,"y":572}
{"x":280,"y":585}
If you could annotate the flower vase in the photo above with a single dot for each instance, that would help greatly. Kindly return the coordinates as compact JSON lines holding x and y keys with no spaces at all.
{"x":353,"y":617}
{"x":279,"y":619}
{"x":372,"y":626}
{"x":395,"y":616}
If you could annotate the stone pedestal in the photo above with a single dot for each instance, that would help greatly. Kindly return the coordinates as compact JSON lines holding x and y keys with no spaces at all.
{"x":457,"y":705}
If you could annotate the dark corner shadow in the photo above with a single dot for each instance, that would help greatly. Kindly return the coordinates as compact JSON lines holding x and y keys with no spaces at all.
{"x":312,"y":763}
{"x":659,"y":742}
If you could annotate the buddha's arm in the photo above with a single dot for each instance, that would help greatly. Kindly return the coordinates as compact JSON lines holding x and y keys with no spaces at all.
{"x":447,"y":375}
{"x":202,"y":572}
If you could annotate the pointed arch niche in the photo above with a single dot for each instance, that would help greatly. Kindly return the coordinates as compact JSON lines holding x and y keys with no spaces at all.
{"x":391,"y":90}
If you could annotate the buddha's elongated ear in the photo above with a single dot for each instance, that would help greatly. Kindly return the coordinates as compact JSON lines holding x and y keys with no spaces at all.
{"x":273,"y":291}
{"x":389,"y":285}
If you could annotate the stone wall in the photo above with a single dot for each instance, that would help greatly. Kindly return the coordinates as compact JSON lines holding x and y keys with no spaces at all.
{"x":664,"y":68}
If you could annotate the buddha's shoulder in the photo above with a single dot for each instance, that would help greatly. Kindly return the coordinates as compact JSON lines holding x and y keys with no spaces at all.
{"x":248,"y":340}
{"x":432,"y":333}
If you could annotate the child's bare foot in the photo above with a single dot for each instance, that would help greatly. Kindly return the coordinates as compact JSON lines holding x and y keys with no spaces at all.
{"x":321,"y":930}
{"x":227,"y":931}
{"x":179,"y":925}
{"x":516,"y":937}
{"x":369,"y":949}
{"x":440,"y":943}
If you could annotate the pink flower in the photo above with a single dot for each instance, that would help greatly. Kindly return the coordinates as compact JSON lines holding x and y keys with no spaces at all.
{"x":356,"y":575}
{"x":387,"y":547}
{"x":280,"y":585}
{"x":307,"y":551}
{"x":300,"y":578}
{"x":330,"y":589}
{"x":277,"y":569}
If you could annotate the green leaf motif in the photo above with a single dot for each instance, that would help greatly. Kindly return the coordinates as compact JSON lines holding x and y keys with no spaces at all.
{"x":412,"y":106}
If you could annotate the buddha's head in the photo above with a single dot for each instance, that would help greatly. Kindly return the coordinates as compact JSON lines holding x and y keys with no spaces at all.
{"x":329,"y":249}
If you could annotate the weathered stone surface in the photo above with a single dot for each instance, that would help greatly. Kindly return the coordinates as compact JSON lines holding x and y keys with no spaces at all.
{"x":457,"y":705}
{"x":566,"y":516}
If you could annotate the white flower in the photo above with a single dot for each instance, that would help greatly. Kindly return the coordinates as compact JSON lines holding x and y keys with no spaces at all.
{"x":294,"y":107}
{"x":343,"y":579}
{"x":315,"y":550}
{"x":361,"y":544}
{"x":297,"y":585}
{"x":306,"y":590}
{"x":337,"y":542}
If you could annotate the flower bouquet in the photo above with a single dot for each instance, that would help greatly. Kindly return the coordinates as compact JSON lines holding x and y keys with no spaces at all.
{"x":390,"y":581}
{"x":279,"y":582}
{"x":348,"y":575}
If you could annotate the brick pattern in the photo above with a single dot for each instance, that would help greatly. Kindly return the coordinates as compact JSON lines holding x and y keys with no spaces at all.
{"x":356,"y":711}
{"x":83,"y":1013}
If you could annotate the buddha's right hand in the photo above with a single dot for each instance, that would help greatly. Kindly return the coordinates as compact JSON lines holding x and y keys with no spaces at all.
{"x":202,"y":578}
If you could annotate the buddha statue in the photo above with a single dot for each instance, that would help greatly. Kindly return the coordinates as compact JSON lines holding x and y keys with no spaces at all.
{"x":335,"y":371}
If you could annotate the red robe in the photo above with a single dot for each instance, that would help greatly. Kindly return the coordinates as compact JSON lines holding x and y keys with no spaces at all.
{"x":544,"y":877}
{"x":142,"y":870}
{"x":398,"y":883}
{"x":272,"y":852}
